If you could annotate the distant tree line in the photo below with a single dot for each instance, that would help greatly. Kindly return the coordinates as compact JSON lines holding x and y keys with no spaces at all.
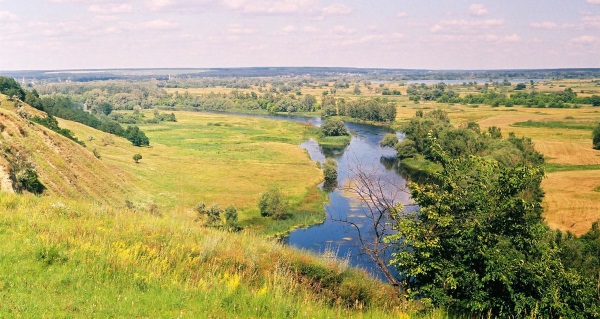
{"x":273,"y":96}
{"x":65,"y":108}
{"x":442,"y":93}
{"x":376,"y":109}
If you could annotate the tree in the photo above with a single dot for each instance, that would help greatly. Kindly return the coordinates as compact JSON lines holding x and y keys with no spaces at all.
{"x":520,"y":86}
{"x":106,"y":108}
{"x":231,"y":219}
{"x":212,"y":215}
{"x":136,"y":136}
{"x":137,"y":158}
{"x":10,"y":88}
{"x":596,"y":137}
{"x":478,"y":243}
{"x":273,"y":204}
{"x":334,"y":127}
{"x":330,"y":170}
{"x":379,"y":197}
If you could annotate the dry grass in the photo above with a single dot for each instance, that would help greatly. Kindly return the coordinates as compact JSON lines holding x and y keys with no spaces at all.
{"x":571,"y":202}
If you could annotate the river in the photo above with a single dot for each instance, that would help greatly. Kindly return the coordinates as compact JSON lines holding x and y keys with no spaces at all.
{"x":340,"y":239}
{"x":334,"y":238}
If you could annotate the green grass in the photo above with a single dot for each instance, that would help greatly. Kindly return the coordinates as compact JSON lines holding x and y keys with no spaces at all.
{"x":557,"y":125}
{"x":220,"y":159}
{"x":67,"y":259}
{"x":553,"y":167}
{"x":419,"y":165}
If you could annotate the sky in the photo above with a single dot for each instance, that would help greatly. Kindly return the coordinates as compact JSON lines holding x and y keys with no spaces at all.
{"x":403,"y":34}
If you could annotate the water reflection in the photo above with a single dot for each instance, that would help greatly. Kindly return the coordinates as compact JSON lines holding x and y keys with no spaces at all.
{"x":332,"y":235}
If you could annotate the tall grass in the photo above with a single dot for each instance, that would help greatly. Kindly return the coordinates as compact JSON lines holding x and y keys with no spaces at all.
{"x":67,"y":259}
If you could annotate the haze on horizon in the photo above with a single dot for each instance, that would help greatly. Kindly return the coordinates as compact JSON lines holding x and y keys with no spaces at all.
{"x":430,"y":34}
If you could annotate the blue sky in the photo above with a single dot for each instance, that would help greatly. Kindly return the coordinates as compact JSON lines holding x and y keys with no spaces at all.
{"x":431,"y":34}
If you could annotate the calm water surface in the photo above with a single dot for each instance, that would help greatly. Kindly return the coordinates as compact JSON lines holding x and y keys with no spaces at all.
{"x":332,"y":235}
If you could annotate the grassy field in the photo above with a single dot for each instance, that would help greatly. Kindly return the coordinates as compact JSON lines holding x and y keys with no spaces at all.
{"x":63,"y":258}
{"x":563,"y":136}
{"x":219,"y":159}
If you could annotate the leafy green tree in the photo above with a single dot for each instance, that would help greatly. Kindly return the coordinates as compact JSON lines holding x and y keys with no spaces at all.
{"x":478,"y":243}
{"x":10,"y":88}
{"x":211,"y":216}
{"x":231,"y":219}
{"x":330,"y":170}
{"x":334,"y":127}
{"x":137,"y":158}
{"x":520,"y":86}
{"x":273,"y":204}
{"x":495,"y":132}
{"x":136,"y":136}
{"x":105,"y":108}
{"x":596,"y":137}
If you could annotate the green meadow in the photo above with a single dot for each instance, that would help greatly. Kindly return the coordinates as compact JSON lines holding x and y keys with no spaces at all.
{"x":219,"y":159}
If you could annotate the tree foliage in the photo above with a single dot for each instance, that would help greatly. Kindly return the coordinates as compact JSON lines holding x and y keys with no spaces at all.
{"x":21,"y":170}
{"x":330,"y":170}
{"x":137,"y":157}
{"x":478,"y":243}
{"x":273,"y":204}
{"x":596,"y":137}
{"x":334,"y":126}
{"x":10,"y":88}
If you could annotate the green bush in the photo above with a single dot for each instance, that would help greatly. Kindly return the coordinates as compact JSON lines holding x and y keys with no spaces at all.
{"x":596,"y":137}
{"x":334,"y":127}
{"x":273,"y":204}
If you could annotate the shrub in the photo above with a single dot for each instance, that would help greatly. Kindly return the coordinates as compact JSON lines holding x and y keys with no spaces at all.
{"x":137,"y":158}
{"x":273,"y":204}
{"x":596,"y":137}
{"x":330,"y":170}
{"x":334,"y":127}
{"x":21,"y":171}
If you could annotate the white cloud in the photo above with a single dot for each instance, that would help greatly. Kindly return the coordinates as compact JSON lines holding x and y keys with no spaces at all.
{"x":544,"y":25}
{"x":512,"y":38}
{"x":593,"y":1}
{"x":387,"y":38}
{"x":591,"y":21}
{"x":310,"y":29}
{"x":270,"y":7}
{"x":401,"y":14}
{"x":336,"y":9}
{"x":237,"y":29}
{"x":111,"y":8}
{"x":465,"y":25}
{"x":289,"y":29}
{"x":343,"y":30}
{"x":584,"y":39}
{"x":7,"y":16}
{"x":159,"y":25}
{"x":478,"y":10}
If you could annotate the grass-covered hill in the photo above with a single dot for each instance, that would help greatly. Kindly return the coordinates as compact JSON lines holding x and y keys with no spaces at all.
{"x":64,"y":168}
{"x":76,"y":249}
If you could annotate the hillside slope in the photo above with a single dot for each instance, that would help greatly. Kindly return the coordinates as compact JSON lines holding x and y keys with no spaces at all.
{"x":65,"y":168}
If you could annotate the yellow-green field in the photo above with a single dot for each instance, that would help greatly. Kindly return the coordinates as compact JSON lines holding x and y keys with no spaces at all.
{"x":218,"y":159}
{"x":570,"y":203}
